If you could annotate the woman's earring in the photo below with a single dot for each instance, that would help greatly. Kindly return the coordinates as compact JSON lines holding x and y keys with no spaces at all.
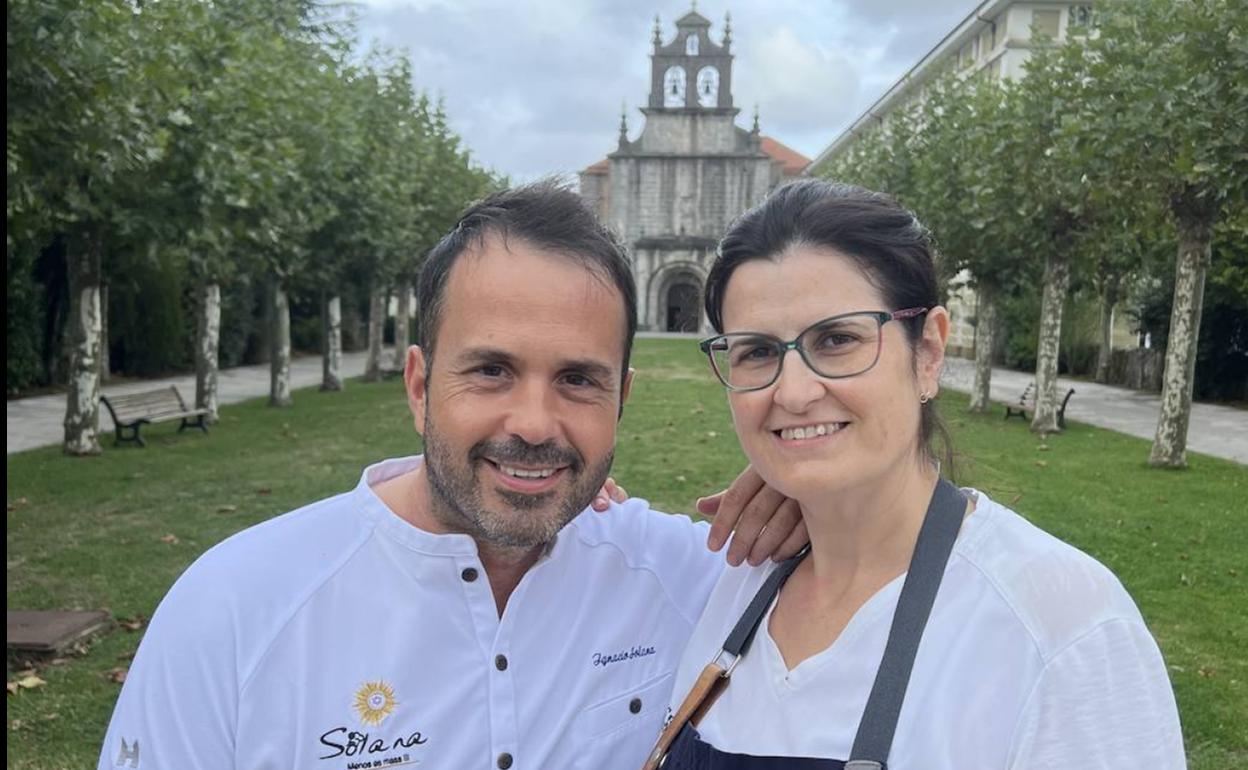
{"x":924,"y":398}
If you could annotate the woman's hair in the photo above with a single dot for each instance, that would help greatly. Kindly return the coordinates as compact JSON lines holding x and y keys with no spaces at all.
{"x":881,"y":237}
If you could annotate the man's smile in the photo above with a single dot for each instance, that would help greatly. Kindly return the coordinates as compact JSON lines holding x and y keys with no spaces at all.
{"x":528,"y":480}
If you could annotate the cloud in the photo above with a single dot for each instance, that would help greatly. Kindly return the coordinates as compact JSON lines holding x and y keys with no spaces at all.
{"x":797,"y":84}
{"x":536,"y":87}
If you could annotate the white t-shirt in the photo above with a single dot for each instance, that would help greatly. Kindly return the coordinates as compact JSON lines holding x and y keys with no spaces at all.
{"x":1034,"y":657}
{"x":339,"y":637}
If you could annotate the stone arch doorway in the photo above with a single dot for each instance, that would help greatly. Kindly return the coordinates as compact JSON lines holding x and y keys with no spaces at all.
{"x":680,"y":306}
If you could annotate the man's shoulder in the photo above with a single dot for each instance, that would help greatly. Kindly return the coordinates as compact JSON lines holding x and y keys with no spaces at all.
{"x":278,"y":560}
{"x":641,"y":533}
{"x":634,"y":545}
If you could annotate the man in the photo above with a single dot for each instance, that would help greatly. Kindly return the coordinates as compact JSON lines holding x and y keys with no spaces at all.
{"x":457,"y":610}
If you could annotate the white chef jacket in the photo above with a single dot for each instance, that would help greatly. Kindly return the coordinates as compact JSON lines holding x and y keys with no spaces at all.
{"x":1034,"y":658}
{"x":340,"y":637}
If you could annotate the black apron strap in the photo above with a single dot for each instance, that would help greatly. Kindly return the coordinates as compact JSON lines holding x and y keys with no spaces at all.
{"x":927,"y":566}
{"x":711,"y":682}
{"x":743,"y":633}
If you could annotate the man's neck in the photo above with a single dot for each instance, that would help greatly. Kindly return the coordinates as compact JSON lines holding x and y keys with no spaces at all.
{"x":506,"y":567}
{"x":410,"y":496}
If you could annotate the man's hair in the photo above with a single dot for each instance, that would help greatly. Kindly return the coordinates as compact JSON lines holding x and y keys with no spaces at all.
{"x":545,"y":214}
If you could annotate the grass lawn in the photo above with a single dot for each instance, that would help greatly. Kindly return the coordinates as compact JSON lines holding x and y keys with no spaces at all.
{"x":115,"y":531}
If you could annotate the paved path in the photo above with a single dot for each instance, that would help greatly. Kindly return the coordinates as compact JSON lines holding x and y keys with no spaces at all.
{"x":1220,"y":431}
{"x":1217,"y":430}
{"x":38,"y":421}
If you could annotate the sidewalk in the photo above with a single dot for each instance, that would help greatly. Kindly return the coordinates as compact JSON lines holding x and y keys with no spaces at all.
{"x":38,"y":421}
{"x":1216,"y":430}
{"x":1220,"y":431}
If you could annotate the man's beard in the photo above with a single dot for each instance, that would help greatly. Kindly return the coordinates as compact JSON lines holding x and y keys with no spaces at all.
{"x":459,"y":505}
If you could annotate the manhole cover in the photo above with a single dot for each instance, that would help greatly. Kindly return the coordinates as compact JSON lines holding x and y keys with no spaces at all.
{"x":52,"y":630}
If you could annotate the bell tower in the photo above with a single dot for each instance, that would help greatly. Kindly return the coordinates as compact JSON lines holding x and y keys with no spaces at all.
{"x":672,"y":191}
{"x":691,"y":72}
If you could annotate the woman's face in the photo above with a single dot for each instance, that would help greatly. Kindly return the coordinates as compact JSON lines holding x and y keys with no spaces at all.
{"x":870,"y":422}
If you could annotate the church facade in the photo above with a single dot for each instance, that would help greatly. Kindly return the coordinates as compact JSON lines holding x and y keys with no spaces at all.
{"x":672,"y":192}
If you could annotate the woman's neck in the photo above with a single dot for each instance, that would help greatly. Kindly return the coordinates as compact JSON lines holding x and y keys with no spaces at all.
{"x":869,"y":530}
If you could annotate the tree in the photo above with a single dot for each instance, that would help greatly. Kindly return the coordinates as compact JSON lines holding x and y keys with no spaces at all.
{"x":971,"y":196}
{"x":948,"y":156}
{"x":224,"y":142}
{"x":1056,"y":173}
{"x":79,"y":138}
{"x":1171,"y":83}
{"x":1118,"y":243}
{"x":203,"y":186}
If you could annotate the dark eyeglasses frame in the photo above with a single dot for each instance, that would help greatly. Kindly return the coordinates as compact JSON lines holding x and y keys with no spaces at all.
{"x":881,"y":316}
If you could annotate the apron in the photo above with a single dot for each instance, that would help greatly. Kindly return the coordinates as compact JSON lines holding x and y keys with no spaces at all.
{"x":874,"y":738}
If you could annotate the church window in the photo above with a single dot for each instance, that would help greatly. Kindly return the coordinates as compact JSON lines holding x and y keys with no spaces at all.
{"x":691,"y":44}
{"x":674,"y":87}
{"x":708,"y":87}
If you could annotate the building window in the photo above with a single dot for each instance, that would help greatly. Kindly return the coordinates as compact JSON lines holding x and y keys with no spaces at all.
{"x":999,"y":26}
{"x":1046,"y":23}
{"x":691,"y":44}
{"x":1080,"y":17}
{"x":985,"y":42}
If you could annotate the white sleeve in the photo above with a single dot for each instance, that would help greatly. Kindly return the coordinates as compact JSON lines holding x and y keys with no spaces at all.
{"x":179,"y":704}
{"x":692,"y":568}
{"x":1103,"y":702}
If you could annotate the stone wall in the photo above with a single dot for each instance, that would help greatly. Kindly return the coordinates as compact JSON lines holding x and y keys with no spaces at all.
{"x":688,"y":132}
{"x":1137,"y":368}
{"x":684,"y":196}
{"x":596,"y":191}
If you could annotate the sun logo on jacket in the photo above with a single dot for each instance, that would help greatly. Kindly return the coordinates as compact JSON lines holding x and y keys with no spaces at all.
{"x":374,"y":702}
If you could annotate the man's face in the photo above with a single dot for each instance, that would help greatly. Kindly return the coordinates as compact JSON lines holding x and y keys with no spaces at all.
{"x":519,"y":408}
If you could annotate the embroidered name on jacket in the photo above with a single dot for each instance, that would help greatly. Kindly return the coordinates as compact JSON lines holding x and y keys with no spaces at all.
{"x":374,"y":703}
{"x":636,"y":651}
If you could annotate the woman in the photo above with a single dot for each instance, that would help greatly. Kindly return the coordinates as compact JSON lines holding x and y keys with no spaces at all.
{"x":1006,"y":648}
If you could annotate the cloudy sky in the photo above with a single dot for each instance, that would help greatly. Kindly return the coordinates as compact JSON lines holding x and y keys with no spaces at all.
{"x":535,"y":86}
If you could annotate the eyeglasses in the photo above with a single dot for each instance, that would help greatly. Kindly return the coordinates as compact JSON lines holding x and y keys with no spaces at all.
{"x":842,"y":346}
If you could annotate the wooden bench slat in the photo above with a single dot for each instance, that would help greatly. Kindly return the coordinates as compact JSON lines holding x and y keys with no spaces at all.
{"x":143,"y":404}
{"x":148,"y":403}
{"x":146,"y":407}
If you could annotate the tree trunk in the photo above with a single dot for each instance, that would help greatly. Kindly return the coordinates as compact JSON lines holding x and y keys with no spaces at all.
{"x":1170,"y":444}
{"x":207,"y":339}
{"x":376,"y":327}
{"x":105,"y":366}
{"x":401,"y":319}
{"x":1109,"y":298}
{"x":1056,"y":283}
{"x":985,"y":341}
{"x":331,"y":364}
{"x":279,"y":364}
{"x":82,"y":403}
{"x":264,"y":341}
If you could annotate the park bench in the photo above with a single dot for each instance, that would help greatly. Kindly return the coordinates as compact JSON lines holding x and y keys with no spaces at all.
{"x":132,"y":411}
{"x":1027,"y":403}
